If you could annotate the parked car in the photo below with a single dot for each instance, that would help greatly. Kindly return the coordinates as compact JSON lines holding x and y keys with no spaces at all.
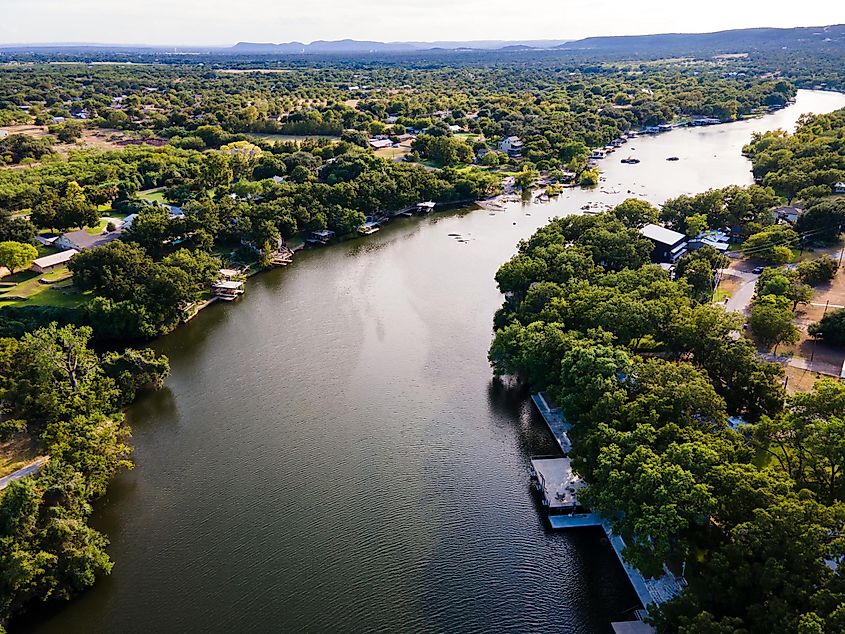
{"x":757,"y":270}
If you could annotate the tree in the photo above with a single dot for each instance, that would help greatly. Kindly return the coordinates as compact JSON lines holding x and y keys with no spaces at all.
{"x":152,"y":228}
{"x":636,"y":213}
{"x":807,"y":440}
{"x":58,"y":376}
{"x":16,"y":228}
{"x":16,"y":255}
{"x":830,"y":328}
{"x":771,"y":322}
{"x":771,"y":245}
{"x":818,"y":271}
{"x":18,"y":147}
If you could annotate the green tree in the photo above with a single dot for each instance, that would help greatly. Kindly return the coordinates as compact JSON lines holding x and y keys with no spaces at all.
{"x":16,"y":255}
{"x":771,"y":322}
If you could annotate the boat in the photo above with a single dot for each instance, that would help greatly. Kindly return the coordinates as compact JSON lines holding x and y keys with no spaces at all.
{"x":673,"y":158}
{"x":630,"y":160}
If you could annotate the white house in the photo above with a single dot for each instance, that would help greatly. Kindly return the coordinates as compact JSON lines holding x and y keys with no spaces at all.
{"x":512,"y":146}
{"x":839,"y":188}
{"x":53,"y":261}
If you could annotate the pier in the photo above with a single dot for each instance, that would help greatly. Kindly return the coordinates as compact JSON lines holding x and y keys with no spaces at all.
{"x":558,"y":487}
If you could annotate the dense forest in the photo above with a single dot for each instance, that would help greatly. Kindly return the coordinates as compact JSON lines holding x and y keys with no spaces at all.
{"x":648,"y":372}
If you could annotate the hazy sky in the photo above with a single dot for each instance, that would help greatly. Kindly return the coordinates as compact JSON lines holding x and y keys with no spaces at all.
{"x":230,"y":21}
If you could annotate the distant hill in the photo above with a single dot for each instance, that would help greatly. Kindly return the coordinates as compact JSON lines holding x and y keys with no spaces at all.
{"x":830,"y":38}
{"x":358,"y":46}
{"x":734,"y":41}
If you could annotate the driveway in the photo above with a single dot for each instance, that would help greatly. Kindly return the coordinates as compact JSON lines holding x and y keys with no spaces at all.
{"x":32,"y":467}
{"x":741,"y":298}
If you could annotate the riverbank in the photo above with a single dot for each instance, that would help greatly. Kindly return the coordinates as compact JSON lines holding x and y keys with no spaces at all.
{"x":332,"y":450}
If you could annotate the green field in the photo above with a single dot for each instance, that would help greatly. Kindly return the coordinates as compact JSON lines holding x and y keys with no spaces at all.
{"x":153,"y":195}
{"x":34,"y":293}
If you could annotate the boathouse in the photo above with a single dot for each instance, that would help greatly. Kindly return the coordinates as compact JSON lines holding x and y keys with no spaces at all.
{"x":228,"y":290}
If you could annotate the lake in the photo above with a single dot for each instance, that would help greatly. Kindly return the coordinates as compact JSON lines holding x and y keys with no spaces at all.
{"x":332,"y":454}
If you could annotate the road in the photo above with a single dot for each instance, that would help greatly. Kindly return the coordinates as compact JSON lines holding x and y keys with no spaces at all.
{"x":741,"y":298}
{"x":32,"y":467}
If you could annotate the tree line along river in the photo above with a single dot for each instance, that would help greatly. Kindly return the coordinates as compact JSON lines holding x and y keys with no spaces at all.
{"x":332,"y":454}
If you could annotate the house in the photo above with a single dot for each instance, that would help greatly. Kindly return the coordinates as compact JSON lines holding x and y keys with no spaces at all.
{"x":47,"y":241}
{"x":455,"y":128}
{"x":512,"y":146}
{"x":668,"y":245}
{"x":391,"y":119}
{"x":839,"y":188}
{"x":82,"y":240}
{"x":127,"y":222}
{"x":53,"y":261}
{"x":788,"y":214}
{"x":717,"y":239}
{"x":378,"y":144}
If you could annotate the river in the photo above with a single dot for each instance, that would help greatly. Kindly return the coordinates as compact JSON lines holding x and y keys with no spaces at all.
{"x":331,"y":453}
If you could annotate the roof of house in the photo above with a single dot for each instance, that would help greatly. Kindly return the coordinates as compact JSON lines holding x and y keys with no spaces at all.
{"x":84,"y":240}
{"x":228,"y":285}
{"x":662,"y":234}
{"x":55,"y":258}
{"x":380,"y":143}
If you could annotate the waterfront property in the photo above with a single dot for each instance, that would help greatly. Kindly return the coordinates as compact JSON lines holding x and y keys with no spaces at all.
{"x":320,"y":237}
{"x":53,"y":261}
{"x":368,"y":228}
{"x":228,"y":290}
{"x":668,"y":245}
{"x":559,"y":488}
{"x":425,"y":207}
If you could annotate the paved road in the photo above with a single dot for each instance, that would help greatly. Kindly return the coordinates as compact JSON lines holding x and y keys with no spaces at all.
{"x":740,"y":300}
{"x":32,"y":467}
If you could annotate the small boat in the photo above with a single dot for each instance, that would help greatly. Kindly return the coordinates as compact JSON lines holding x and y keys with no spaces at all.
{"x":630,"y":160}
{"x":673,"y":158}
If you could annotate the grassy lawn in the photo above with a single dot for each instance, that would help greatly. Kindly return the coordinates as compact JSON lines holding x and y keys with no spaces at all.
{"x":153,"y":195}
{"x":721,"y":295}
{"x":34,"y":293}
{"x":15,"y":453}
{"x":98,"y":228}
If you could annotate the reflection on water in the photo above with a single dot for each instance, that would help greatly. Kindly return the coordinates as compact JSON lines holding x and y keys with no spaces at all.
{"x":331,"y":454}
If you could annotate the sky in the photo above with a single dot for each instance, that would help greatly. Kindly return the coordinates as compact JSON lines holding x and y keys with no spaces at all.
{"x":225,"y":22}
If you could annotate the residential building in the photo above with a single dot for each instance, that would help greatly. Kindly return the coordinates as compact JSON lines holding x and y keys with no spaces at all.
{"x":512,"y":146}
{"x":53,"y":261}
{"x":82,"y":240}
{"x":668,"y":245}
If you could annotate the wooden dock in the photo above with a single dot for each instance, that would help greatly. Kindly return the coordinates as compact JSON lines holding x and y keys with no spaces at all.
{"x":555,"y":421}
{"x":649,"y":591}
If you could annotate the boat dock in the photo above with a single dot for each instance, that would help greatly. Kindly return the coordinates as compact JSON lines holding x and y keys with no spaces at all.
{"x":556,"y":422}
{"x":558,"y":487}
